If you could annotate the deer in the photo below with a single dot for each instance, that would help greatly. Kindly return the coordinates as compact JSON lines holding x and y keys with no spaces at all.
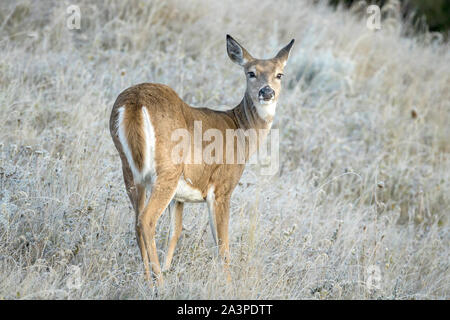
{"x":141,"y":121}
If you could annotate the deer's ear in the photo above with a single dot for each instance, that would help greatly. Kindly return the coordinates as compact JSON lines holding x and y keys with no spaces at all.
{"x":283,"y":54}
{"x":236,"y":52}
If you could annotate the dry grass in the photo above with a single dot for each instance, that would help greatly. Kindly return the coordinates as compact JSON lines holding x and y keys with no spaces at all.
{"x":364,"y":130}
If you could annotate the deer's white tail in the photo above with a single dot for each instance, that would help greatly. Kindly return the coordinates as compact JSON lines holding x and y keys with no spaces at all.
{"x":137,"y":137}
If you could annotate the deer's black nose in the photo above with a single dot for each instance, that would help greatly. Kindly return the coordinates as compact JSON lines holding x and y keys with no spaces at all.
{"x":266,"y":93}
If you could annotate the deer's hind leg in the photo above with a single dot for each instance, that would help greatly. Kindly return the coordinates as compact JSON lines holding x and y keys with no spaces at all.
{"x":176,"y":217}
{"x":136,"y":193}
{"x":162,"y":194}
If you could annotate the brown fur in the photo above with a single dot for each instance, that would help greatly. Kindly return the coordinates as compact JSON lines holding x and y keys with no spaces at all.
{"x":168,"y":113}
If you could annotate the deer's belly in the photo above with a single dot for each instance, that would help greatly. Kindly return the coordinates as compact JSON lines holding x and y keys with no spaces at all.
{"x":187,"y":193}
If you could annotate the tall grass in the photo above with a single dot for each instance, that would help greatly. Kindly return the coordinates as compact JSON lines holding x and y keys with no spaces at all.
{"x":364,"y":177}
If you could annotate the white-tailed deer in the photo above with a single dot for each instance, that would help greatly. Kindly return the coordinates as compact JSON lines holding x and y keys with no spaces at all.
{"x":142,"y":121}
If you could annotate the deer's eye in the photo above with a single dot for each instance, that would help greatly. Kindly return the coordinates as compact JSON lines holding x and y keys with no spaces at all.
{"x":251,"y":74}
{"x":279,"y":76}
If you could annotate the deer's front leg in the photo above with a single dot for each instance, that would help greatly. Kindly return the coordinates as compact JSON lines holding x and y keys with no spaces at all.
{"x":222,"y":215}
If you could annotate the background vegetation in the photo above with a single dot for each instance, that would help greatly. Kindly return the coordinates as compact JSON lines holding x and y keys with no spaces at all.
{"x":363,"y":183}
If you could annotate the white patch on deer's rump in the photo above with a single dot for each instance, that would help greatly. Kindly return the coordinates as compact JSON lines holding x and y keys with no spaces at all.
{"x":149,"y":169}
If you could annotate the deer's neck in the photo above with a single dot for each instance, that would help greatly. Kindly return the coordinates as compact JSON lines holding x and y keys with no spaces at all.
{"x":247,"y":116}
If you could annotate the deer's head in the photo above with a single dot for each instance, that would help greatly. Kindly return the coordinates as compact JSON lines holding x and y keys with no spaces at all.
{"x":263,"y":75}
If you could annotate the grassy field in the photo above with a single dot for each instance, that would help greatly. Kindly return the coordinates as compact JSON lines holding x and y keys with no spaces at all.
{"x":361,"y":197}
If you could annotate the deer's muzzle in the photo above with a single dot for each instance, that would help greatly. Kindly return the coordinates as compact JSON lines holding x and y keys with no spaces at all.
{"x":266,"y":93}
